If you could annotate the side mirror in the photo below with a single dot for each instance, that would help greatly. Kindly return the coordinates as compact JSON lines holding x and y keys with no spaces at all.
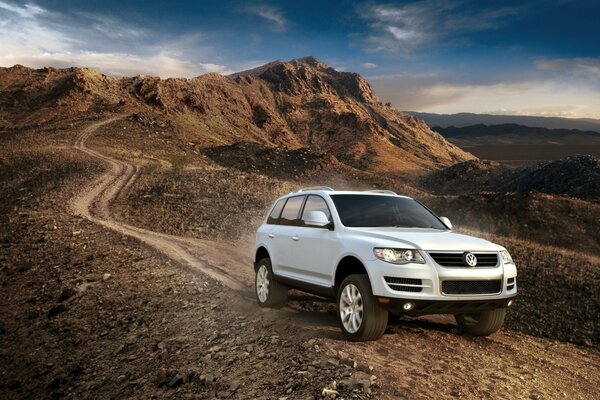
{"x":446,"y":222}
{"x":316,"y":218}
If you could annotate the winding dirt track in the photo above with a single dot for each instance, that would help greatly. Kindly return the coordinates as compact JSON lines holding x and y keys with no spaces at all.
{"x":420,"y":359}
{"x":95,"y":201}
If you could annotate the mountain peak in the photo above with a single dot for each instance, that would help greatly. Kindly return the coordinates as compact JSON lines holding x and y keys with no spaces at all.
{"x":309,"y":60}
{"x":308,"y":75}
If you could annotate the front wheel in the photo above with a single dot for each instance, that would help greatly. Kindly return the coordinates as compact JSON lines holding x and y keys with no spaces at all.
{"x":483,"y":323}
{"x":269,"y":292}
{"x":361,"y":317}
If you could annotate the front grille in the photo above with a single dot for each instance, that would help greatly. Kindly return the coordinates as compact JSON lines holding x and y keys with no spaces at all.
{"x":471,"y":287}
{"x":456,"y":259}
{"x":399,"y":284}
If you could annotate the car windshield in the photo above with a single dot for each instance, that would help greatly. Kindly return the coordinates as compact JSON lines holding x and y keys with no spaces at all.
{"x":359,"y":210}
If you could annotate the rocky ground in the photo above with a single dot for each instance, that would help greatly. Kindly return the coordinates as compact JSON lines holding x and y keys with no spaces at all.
{"x":86,"y":312}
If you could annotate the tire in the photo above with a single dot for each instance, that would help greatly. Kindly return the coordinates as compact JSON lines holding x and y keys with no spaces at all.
{"x":269,"y":292}
{"x":356,"y":325}
{"x":481,"y":324}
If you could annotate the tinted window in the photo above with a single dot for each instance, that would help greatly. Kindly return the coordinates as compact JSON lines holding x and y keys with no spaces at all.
{"x":381,"y":211}
{"x":274,"y":216}
{"x":290,"y":213}
{"x":315,"y":203}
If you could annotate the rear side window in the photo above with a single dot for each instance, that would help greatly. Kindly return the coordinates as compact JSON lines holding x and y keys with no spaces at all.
{"x":274,"y":216}
{"x":291,"y":211}
{"x":315,"y":203}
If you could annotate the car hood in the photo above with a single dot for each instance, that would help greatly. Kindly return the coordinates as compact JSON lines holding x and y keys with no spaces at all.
{"x":428,"y":239}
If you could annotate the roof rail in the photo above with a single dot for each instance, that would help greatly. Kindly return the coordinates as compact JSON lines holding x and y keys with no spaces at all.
{"x":327,"y":188}
{"x":382,"y":191}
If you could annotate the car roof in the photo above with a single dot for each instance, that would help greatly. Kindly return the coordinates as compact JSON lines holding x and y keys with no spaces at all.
{"x":329,"y":191}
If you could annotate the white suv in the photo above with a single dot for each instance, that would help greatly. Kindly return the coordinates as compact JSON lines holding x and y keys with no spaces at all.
{"x":377,"y":252}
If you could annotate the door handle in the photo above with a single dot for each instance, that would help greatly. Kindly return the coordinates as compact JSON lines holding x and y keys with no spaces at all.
{"x":295,"y":238}
{"x":271,"y":235}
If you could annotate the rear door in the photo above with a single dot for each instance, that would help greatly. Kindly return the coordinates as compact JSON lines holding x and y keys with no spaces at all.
{"x":267,"y":231}
{"x":284,"y":234}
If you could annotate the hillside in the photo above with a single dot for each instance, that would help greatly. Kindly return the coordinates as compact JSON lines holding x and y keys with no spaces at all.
{"x":576,"y":176}
{"x":466,"y":119}
{"x":292,"y":105}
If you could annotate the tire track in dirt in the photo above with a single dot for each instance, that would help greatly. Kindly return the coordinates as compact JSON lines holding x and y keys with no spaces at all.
{"x":94,"y":203}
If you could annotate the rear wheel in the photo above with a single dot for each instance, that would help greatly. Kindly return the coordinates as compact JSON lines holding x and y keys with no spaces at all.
{"x":269,"y":292}
{"x":483,"y":323}
{"x":361,"y":317}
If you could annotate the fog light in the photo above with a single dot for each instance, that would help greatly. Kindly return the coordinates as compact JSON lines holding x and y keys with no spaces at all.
{"x":510,"y":303}
{"x":408,"y":306}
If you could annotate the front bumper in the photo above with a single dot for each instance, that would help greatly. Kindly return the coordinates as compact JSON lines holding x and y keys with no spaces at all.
{"x":421,"y":284}
{"x":427,"y":307}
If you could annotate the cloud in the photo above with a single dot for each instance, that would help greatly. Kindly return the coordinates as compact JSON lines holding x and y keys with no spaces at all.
{"x":36,"y":37}
{"x":25,"y":11}
{"x":531,"y":97}
{"x":118,"y":64}
{"x":278,"y":22}
{"x":581,"y":66}
{"x":368,"y":65}
{"x":403,"y":28}
{"x":112,"y":27}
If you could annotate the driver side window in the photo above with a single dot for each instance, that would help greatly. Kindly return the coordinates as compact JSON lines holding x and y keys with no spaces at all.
{"x":315,"y":203}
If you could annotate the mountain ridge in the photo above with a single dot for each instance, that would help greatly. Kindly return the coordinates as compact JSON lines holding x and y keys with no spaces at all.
{"x":504,"y":134}
{"x":460,"y":120}
{"x":294,"y":104}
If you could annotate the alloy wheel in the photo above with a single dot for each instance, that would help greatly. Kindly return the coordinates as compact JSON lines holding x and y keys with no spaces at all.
{"x":351,"y":308}
{"x":262,"y":283}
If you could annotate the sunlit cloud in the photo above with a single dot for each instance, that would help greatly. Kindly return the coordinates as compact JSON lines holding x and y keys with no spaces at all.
{"x":520,"y":98}
{"x":36,"y":37}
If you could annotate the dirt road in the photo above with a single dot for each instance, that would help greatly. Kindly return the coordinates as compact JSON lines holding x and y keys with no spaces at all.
{"x":417,"y":358}
{"x":95,"y":201}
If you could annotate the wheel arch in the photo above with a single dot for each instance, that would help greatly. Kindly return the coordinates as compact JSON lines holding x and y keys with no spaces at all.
{"x":349,"y":265}
{"x":261,"y":252}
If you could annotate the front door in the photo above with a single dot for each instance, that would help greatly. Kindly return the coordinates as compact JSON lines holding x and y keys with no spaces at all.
{"x":314,"y":248}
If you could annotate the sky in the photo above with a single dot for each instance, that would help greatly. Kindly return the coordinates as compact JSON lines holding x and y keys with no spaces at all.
{"x":442,"y":56}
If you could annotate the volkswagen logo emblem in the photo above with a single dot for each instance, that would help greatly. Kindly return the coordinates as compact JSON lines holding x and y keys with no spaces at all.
{"x":470,"y":259}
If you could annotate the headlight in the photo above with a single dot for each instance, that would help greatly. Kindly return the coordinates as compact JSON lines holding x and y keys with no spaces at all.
{"x":398,"y":256}
{"x":506,"y":258}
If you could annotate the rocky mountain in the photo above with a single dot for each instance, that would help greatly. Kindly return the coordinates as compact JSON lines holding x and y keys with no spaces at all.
{"x":300,"y":104}
{"x":511,"y":134}
{"x":466,"y":119}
